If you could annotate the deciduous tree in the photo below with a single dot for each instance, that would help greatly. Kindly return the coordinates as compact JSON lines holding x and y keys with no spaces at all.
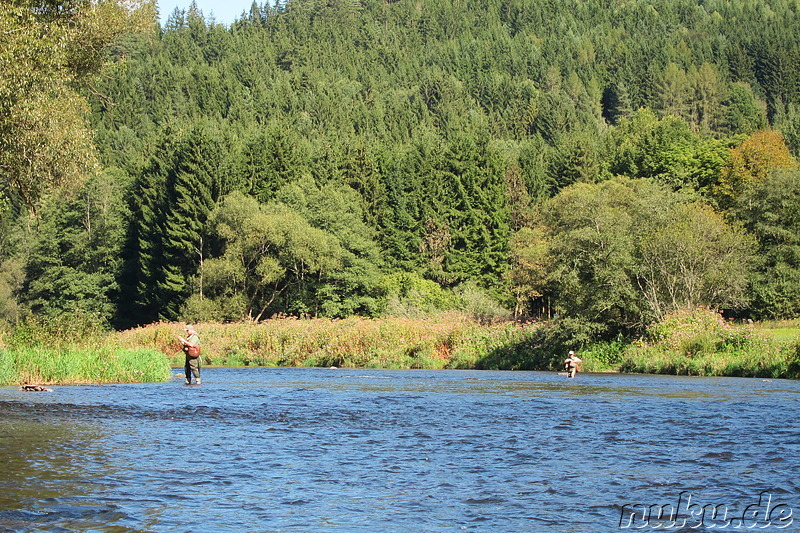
{"x":49,"y":49}
{"x":751,"y":161}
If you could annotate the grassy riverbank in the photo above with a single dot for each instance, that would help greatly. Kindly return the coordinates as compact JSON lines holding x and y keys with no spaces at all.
{"x":449,"y":341}
{"x":697,"y":342}
{"x":78,"y":365}
{"x":694,"y":342}
{"x":66,"y":353}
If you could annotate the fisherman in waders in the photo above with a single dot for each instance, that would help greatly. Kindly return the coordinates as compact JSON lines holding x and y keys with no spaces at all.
{"x":572,"y":363}
{"x":191,"y":347}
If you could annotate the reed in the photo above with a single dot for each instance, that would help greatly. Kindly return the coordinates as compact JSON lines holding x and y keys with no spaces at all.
{"x":78,"y":365}
{"x":447,"y":341}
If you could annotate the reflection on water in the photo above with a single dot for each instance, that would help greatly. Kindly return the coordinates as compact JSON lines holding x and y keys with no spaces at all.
{"x":369,"y":450}
{"x":41,"y":456}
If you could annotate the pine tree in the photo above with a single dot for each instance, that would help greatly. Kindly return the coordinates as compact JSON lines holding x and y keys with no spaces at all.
{"x":171,"y":203}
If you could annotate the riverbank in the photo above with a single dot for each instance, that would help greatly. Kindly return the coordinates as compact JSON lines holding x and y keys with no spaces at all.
{"x":700,"y":343}
{"x":81,"y":365}
{"x":697,"y":342}
{"x":445,"y":342}
{"x":694,"y":342}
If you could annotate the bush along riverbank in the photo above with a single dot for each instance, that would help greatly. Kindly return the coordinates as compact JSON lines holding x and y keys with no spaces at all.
{"x":697,"y":342}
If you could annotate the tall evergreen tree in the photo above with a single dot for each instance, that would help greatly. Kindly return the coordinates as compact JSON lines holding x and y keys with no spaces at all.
{"x":171,"y":203}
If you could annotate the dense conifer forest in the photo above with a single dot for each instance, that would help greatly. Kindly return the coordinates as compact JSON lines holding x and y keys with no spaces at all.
{"x":606,"y":161}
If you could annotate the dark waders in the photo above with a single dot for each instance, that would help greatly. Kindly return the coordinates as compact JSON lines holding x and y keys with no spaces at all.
{"x":192,"y":368}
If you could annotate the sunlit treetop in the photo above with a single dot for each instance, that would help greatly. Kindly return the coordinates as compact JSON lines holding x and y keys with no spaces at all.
{"x":48,"y":51}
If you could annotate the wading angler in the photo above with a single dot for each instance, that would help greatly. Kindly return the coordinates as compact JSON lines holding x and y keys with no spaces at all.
{"x":191,"y":347}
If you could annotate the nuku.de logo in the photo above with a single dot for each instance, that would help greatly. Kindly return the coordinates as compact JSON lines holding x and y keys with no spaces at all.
{"x":685,"y":514}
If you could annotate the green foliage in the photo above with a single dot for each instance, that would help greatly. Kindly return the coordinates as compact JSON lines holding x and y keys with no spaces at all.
{"x":700,"y":342}
{"x":48,"y":51}
{"x":645,"y":146}
{"x":269,"y":252}
{"x":541,"y":346}
{"x":247,"y":233}
{"x":57,"y":331}
{"x":337,"y":210}
{"x":591,"y":233}
{"x":695,"y":258}
{"x":743,"y":114}
{"x":75,"y":258}
{"x":12,"y":278}
{"x":793,"y":370}
{"x":603,"y":356}
{"x":74,"y":348}
{"x":674,"y":329}
{"x":626,"y":252}
{"x":171,"y":202}
{"x":531,"y":263}
{"x":476,"y":303}
{"x":7,"y":371}
{"x":770,"y":210}
{"x":406,"y":294}
{"x":82,"y":365}
{"x":405,"y":139}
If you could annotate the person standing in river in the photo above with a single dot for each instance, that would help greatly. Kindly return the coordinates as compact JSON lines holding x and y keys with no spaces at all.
{"x":191,"y":347}
{"x":572,"y":363}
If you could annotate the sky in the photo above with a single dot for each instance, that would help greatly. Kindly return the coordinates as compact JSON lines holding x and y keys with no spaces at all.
{"x":225,"y":11}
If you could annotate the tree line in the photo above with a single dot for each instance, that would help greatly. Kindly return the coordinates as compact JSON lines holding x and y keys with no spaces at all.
{"x":607,"y":162}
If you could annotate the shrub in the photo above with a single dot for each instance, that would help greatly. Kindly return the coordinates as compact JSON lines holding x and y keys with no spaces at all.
{"x":406,"y":294}
{"x":604,"y":355}
{"x":699,"y":342}
{"x":479,"y":305}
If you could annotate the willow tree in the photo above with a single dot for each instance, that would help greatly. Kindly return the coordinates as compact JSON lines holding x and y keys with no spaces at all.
{"x":48,"y":51}
{"x":269,"y":252}
{"x":622,"y":253}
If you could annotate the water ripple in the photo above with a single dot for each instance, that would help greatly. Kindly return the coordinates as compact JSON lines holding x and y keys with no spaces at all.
{"x":321,"y":450}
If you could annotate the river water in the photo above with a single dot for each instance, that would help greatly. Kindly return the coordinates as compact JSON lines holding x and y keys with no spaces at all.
{"x":343,"y":450}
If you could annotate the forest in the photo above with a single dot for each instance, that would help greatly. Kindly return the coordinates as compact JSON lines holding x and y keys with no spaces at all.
{"x":607,"y":162}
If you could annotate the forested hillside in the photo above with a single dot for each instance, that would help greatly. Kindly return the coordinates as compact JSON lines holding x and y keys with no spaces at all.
{"x":609,"y":161}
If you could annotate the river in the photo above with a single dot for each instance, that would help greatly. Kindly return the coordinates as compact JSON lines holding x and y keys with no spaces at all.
{"x":349,"y":450}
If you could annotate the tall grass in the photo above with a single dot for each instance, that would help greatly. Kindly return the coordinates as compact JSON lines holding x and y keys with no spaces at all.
{"x":447,"y":341}
{"x":64,"y":351}
{"x":76,"y":365}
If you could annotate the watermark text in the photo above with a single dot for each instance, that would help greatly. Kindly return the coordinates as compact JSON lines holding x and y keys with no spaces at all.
{"x":685,"y":513}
